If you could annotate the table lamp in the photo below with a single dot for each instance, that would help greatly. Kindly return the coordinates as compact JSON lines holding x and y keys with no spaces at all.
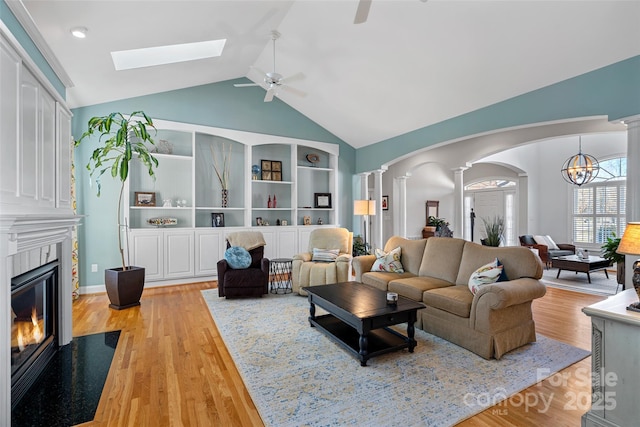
{"x":630,"y":245}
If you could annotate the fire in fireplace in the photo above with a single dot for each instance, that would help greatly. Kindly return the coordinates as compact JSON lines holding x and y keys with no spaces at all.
{"x":33,"y":326}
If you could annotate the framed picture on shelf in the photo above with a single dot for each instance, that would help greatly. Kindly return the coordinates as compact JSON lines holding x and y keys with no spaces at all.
{"x":322,"y":200}
{"x":259,"y":221}
{"x":217,"y":219}
{"x":276,"y":176}
{"x":266,"y":165}
{"x":385,"y":203}
{"x":145,"y":199}
{"x":306,"y":220}
{"x":276,"y":166}
{"x":266,"y":175}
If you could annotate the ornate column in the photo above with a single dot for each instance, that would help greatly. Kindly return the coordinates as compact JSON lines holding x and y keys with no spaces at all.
{"x":458,"y":202}
{"x":633,"y":184}
{"x":376,"y":229}
{"x":400,"y":206}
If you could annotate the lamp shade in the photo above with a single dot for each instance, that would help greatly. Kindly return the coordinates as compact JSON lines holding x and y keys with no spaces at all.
{"x":364,"y":207}
{"x":630,"y":242}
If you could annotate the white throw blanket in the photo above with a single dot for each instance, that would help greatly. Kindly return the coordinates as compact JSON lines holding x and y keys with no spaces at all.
{"x":246,"y":239}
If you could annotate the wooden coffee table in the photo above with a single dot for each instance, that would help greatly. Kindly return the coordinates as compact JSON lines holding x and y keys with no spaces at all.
{"x":573,"y":263}
{"x":359,"y":317}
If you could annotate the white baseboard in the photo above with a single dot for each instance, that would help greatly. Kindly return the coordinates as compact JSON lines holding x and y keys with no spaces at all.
{"x":97,"y":289}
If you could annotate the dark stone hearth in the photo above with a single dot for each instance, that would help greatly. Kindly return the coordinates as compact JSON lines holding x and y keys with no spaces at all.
{"x":68,"y":391}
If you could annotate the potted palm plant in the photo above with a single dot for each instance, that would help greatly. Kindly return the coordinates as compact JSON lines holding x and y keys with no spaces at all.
{"x":609,"y":252}
{"x":121,"y":140}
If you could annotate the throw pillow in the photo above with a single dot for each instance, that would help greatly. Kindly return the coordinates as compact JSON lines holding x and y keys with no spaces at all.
{"x":552,"y":244}
{"x":237,"y":257}
{"x":486,"y":275}
{"x":325,"y":255}
{"x":542,"y":240}
{"x":388,"y":261}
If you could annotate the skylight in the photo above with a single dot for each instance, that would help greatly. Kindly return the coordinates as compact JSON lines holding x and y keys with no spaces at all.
{"x":160,"y":55}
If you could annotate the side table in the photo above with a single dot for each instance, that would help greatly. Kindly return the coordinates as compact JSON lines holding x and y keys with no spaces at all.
{"x":280,"y":275}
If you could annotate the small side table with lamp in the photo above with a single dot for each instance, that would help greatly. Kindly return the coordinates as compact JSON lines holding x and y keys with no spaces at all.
{"x":615,"y":349}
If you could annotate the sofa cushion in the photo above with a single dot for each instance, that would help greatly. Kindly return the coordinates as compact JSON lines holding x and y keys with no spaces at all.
{"x":414,"y":287}
{"x":485,"y":275}
{"x":518,"y":261}
{"x":560,"y":252}
{"x":388,"y":261}
{"x":442,"y":257}
{"x":527,"y":239}
{"x":381,"y":279}
{"x":453,"y":299}
{"x":411,"y":252}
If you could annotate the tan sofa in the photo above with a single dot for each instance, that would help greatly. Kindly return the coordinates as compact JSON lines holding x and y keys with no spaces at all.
{"x":305,"y":272}
{"x":496,"y":320}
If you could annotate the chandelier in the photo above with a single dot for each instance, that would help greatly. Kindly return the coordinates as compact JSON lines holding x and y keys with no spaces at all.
{"x":581,"y":168}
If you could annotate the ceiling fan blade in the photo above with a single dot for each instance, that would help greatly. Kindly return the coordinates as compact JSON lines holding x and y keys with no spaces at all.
{"x":362,"y":13}
{"x":294,"y":91}
{"x":246,"y":84}
{"x":268,"y":97}
{"x":294,"y":78}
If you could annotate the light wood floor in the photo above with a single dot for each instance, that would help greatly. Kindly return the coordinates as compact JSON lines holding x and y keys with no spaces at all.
{"x":171,"y":367}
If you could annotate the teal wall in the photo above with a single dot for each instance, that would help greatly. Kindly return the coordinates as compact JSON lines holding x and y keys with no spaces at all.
{"x":612,"y":91}
{"x":9,"y":19}
{"x":218,"y":105}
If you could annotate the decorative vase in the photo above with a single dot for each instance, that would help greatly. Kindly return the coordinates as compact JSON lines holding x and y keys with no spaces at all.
{"x":225,"y":198}
{"x":124,"y":287}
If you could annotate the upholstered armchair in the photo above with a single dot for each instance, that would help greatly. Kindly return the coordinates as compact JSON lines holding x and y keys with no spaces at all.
{"x":252,"y":281}
{"x":547,"y":248}
{"x":331,"y":262}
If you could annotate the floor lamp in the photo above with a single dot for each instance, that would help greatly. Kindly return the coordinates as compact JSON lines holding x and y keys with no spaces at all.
{"x":364,"y":208}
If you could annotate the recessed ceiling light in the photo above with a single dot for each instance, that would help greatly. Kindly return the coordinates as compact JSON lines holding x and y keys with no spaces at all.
{"x":160,"y":55}
{"x":79,"y":32}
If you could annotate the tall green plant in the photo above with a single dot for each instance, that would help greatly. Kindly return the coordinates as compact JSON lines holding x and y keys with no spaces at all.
{"x":122,"y":138}
{"x":610,"y":247}
{"x":494,"y":229}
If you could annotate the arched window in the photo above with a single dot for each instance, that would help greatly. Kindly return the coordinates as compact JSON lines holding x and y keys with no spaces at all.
{"x":599,"y":207}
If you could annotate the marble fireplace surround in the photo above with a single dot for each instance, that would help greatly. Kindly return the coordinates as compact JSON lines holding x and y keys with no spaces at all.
{"x":20,"y":234}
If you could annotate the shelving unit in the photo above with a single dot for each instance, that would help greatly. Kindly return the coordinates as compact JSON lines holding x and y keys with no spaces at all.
{"x":186,"y":174}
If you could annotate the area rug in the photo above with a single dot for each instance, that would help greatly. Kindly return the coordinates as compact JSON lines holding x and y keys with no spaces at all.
{"x":599,"y":285}
{"x":68,"y":391}
{"x":296,"y":376}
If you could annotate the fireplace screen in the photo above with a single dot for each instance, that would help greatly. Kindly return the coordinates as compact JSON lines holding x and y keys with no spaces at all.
{"x":33,"y":319}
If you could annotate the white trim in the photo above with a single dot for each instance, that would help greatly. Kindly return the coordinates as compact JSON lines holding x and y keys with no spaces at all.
{"x":100,"y":289}
{"x":24,"y":18}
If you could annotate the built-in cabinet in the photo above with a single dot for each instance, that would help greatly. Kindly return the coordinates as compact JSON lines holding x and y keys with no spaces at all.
{"x":35,"y":160}
{"x":186,"y":189}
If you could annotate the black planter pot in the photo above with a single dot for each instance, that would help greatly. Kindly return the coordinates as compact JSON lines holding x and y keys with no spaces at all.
{"x":124,"y":287}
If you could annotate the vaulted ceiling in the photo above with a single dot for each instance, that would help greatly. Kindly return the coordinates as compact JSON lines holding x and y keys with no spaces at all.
{"x":410,"y":65}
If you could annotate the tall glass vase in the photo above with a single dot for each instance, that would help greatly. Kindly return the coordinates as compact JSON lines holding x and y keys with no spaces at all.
{"x":225,"y":198}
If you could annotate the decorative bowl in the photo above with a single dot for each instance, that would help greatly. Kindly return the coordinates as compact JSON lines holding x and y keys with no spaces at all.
{"x":162,"y":221}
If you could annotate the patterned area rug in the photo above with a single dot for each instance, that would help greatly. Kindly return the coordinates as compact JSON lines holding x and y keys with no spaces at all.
{"x":578,"y":282}
{"x":297,"y":376}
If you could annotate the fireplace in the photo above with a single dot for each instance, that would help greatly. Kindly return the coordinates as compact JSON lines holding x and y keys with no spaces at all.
{"x":33,"y":326}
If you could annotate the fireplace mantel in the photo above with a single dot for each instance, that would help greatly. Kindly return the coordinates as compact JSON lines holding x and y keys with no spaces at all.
{"x":20,"y":234}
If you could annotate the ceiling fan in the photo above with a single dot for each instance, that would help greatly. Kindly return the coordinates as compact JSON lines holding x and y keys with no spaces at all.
{"x":362,"y":13}
{"x":274,"y":82}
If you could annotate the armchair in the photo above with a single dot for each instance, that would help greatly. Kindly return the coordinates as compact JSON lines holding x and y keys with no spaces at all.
{"x":245,"y":282}
{"x":309,"y":272}
{"x":547,"y":248}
